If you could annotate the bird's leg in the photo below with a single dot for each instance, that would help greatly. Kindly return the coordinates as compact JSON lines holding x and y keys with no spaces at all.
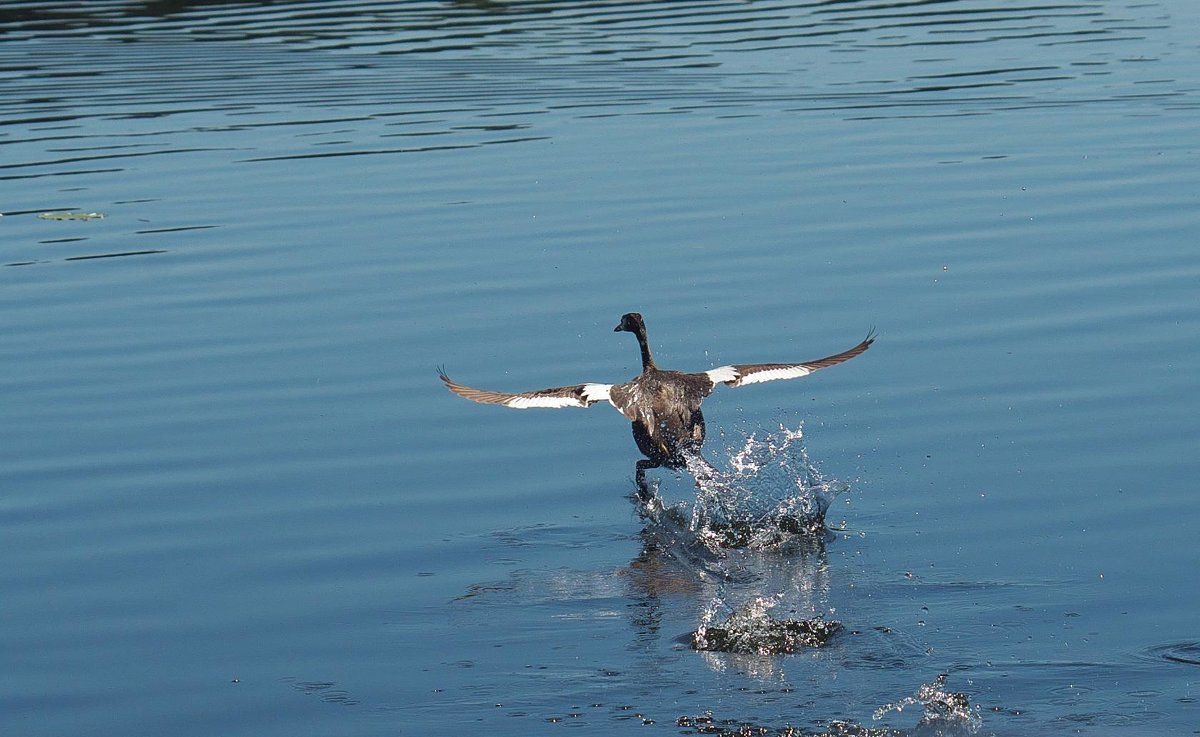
{"x":645,"y":493}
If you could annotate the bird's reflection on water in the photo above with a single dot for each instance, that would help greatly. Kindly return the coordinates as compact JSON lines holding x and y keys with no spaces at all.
{"x":728,"y":569}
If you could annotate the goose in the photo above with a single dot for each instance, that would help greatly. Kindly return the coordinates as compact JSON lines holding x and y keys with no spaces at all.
{"x":663,"y":406}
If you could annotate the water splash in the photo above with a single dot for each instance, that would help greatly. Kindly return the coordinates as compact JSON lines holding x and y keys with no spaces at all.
{"x":940,"y":707}
{"x":750,"y":629}
{"x":769,"y":495}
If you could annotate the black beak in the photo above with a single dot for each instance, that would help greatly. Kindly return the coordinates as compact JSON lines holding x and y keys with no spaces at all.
{"x":617,"y":329}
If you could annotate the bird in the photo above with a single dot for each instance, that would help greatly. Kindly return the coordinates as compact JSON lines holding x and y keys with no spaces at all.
{"x":662,"y":406}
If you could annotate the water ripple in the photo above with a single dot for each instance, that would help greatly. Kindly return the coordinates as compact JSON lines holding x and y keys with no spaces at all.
{"x":549,"y":54}
{"x":1185,"y":653}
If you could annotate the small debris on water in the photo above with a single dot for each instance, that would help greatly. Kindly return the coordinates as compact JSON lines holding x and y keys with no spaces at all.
{"x":67,"y":215}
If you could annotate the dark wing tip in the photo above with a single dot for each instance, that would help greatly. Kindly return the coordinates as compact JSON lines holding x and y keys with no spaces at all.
{"x":846,"y":355}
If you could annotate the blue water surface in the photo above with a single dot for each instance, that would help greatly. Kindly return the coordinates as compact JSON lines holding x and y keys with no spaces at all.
{"x":235,"y":498}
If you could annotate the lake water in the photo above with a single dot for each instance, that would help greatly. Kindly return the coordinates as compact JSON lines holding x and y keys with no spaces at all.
{"x":235,"y":498}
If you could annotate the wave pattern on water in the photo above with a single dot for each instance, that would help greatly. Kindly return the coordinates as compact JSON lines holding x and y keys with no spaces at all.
{"x":579,"y":56}
{"x":433,"y":27}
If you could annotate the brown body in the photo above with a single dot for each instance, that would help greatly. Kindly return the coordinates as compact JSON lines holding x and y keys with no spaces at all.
{"x":664,"y":407}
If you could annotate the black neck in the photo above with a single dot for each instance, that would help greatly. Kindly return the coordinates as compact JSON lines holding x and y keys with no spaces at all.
{"x":647,"y":359}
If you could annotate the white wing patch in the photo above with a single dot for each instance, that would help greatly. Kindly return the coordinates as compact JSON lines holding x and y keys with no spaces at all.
{"x":596,"y":392}
{"x":590,"y":393}
{"x":733,"y":376}
{"x":579,"y":395}
{"x":786,"y":372}
{"x":722,"y":374}
{"x":528,"y":402}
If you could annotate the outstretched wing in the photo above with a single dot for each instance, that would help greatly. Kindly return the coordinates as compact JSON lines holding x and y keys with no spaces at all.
{"x":579,"y":395}
{"x":754,"y":373}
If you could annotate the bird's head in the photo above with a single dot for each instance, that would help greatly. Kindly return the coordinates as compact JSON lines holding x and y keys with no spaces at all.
{"x":631,"y":322}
